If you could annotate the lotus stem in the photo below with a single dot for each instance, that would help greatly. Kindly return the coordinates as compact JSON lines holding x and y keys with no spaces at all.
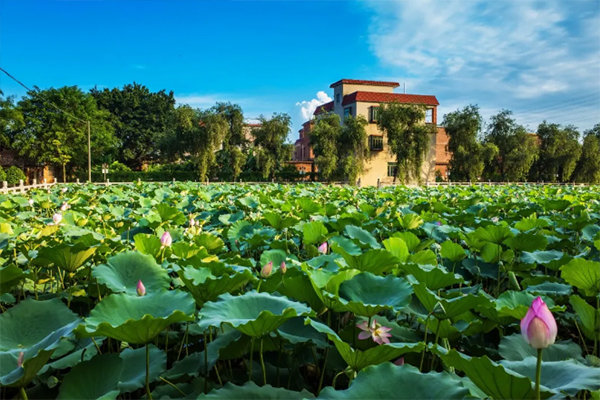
{"x":250,"y":364}
{"x":335,"y":378}
{"x":437,"y":336}
{"x":96,"y":344}
{"x":187,"y":325}
{"x":538,"y":374}
{"x":262,"y":363}
{"x":425,"y":340}
{"x":148,"y":372}
{"x":323,"y":372}
{"x":23,"y":393}
{"x":170,"y":383}
{"x":205,"y":364}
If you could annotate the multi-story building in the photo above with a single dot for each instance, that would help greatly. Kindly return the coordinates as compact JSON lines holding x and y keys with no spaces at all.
{"x":358,"y":97}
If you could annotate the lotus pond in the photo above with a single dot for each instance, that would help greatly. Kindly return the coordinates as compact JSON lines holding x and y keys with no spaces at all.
{"x":296,"y":292}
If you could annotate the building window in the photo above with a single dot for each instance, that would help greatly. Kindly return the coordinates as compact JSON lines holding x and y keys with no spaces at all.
{"x":374,"y":114}
{"x":376,"y":143}
{"x":347,"y":112}
{"x":429,"y":116}
{"x":392,"y":169}
{"x":338,"y":98}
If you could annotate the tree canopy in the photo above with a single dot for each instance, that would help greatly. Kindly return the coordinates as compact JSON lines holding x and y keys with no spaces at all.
{"x":269,"y":139}
{"x":559,"y":152}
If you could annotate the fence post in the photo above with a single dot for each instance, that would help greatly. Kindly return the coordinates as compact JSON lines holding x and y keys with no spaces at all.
{"x":21,"y":185}
{"x":139,"y":181}
{"x":358,"y":183}
{"x":34,"y":182}
{"x":378,"y":183}
{"x":78,"y":181}
{"x":5,"y":186}
{"x":55,"y":181}
{"x":107,"y":182}
{"x":173,"y":180}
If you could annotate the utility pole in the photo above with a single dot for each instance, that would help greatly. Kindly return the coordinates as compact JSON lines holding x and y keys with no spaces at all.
{"x":89,"y":153}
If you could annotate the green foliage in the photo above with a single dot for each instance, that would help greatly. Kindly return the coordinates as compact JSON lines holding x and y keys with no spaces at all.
{"x":269,"y":139}
{"x":14,"y":175}
{"x":2,"y":174}
{"x":353,"y":148}
{"x":408,"y":137}
{"x":588,"y":166}
{"x":468,"y":155}
{"x":324,"y":139}
{"x":559,"y":152}
{"x":43,"y":125}
{"x":139,"y":118}
{"x":231,"y":159}
{"x":517,"y":150}
{"x":11,"y":121}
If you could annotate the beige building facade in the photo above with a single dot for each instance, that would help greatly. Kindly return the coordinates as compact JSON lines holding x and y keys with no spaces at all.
{"x":357,"y":97}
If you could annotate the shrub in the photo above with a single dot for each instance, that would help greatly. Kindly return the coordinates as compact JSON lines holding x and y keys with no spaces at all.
{"x":14,"y":175}
{"x":2,"y":174}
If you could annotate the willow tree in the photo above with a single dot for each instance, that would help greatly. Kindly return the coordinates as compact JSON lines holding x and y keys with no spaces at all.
{"x":353,"y":148}
{"x":408,"y":137}
{"x":324,"y":140}
{"x":469,"y":156}
{"x":269,"y":139}
{"x":559,"y":152}
{"x":232,"y":157}
{"x":588,"y":166}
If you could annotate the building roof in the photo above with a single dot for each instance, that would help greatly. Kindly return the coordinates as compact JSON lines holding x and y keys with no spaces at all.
{"x":253,"y":125}
{"x":375,"y":97}
{"x":360,"y":82}
{"x":327,"y":107}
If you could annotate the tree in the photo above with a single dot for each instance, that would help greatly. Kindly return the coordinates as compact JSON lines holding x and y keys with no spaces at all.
{"x":61,"y":158}
{"x":269,"y":139}
{"x":517,"y":150}
{"x":408,"y":137}
{"x":324,"y":140}
{"x":43,"y":124}
{"x":140,"y":118}
{"x":559,"y":152}
{"x":353,"y":147}
{"x":588,"y":167}
{"x":232,"y":157}
{"x":468,"y":155}
{"x":11,"y":121}
{"x":198,"y":134}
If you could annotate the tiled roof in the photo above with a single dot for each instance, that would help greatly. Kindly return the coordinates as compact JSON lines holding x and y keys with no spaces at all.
{"x":375,"y":97}
{"x":360,"y":82}
{"x":327,"y":107}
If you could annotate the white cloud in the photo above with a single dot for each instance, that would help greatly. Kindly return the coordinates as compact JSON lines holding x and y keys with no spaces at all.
{"x":307,"y":108}
{"x":503,"y":54}
{"x":198,"y":100}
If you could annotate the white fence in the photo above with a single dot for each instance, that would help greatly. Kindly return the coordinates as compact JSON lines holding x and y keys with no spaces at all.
{"x":21,"y":188}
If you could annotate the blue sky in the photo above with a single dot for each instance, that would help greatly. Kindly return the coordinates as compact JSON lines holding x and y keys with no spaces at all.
{"x":539,"y":59}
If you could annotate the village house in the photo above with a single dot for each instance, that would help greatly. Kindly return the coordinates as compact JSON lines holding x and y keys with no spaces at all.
{"x":360,"y":97}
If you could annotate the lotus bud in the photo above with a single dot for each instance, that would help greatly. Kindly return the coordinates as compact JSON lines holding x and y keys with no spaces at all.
{"x":438,"y":223}
{"x":323,"y":248}
{"x":266,"y":270}
{"x":495,"y":220}
{"x":283,"y":267}
{"x":192,"y":222}
{"x":57,"y":218}
{"x":20,"y":360}
{"x":64,"y":207}
{"x":399,"y":362}
{"x":141,"y":289}
{"x":31,"y":202}
{"x":64,"y":190}
{"x":539,"y":326}
{"x":166,"y":239}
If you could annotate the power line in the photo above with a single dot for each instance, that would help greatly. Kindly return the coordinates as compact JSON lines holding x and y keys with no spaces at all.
{"x":565,"y":104}
{"x":46,"y":101}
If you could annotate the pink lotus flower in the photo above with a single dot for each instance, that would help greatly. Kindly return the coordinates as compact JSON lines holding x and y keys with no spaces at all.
{"x":192,"y":222}
{"x":399,"y":362}
{"x":379,"y":333}
{"x":57,"y":218}
{"x":266,"y":270}
{"x":31,"y":202}
{"x":64,"y":207}
{"x":64,"y":190}
{"x":323,"y":248}
{"x":140,"y":289}
{"x":283,"y":267}
{"x":20,"y":360}
{"x":166,"y":239}
{"x":539,"y":326}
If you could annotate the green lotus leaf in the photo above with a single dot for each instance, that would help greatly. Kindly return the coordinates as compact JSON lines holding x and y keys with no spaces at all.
{"x":423,"y":257}
{"x":147,"y":244}
{"x":83,"y":350}
{"x":93,"y":379}
{"x":515,"y":304}
{"x":275,"y":256}
{"x":358,"y":359}
{"x":296,"y":331}
{"x":448,"y":308}
{"x":446,"y":329}
{"x":550,"y":289}
{"x":568,"y":377}
{"x":135,"y":319}
{"x":397,"y":247}
{"x":583,"y":274}
{"x":410,"y":221}
{"x":121,"y":273}
{"x":254,"y":314}
{"x":408,"y":383}
{"x":452,"y":251}
{"x":10,"y":276}
{"x":229,"y":219}
{"x":434,"y":277}
{"x":527,"y":242}
{"x":493,"y":379}
{"x":210,"y":242}
{"x":527,"y":224}
{"x":494,"y":234}
{"x":347,"y":244}
{"x":251,"y":391}
{"x":589,"y":317}
{"x":35,"y":329}
{"x":185,"y":250}
{"x":326,"y":284}
{"x":168,"y":213}
{"x":411,"y":240}
{"x":134,"y":367}
{"x":67,"y":257}
{"x":278,"y":222}
{"x":515,"y":348}
{"x":313,"y":232}
{"x":296,"y":285}
{"x":375,"y":261}
{"x":363,"y":236}
{"x":541,"y":257}
{"x":367,"y":294}
{"x":213,"y":279}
